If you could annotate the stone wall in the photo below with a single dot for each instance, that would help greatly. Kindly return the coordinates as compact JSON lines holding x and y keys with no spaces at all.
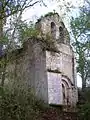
{"x":61,"y":61}
{"x":43,"y":70}
{"x":60,"y":67}
{"x":46,"y":64}
{"x":44,"y":25}
{"x":28,"y":66}
{"x":54,"y":88}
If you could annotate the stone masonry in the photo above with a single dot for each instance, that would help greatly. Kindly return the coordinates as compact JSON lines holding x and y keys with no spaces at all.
{"x":49,"y":71}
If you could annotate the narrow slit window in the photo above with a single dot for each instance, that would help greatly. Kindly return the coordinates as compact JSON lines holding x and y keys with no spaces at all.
{"x":53,"y":30}
{"x":61,"y":33}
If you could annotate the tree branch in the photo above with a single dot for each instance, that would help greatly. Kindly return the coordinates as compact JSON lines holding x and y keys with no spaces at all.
{"x":23,"y":7}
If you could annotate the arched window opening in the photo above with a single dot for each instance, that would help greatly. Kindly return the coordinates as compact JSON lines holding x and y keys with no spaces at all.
{"x":61,"y":33}
{"x":65,"y":92}
{"x":73,"y":70}
{"x":53,"y":30}
{"x":63,"y":24}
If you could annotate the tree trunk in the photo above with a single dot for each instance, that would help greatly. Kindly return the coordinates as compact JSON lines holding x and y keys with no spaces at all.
{"x":1,"y":50}
{"x":1,"y":37}
{"x":3,"y":72}
{"x":83,"y":84}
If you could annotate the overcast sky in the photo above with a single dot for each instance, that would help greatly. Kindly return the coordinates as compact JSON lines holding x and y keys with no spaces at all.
{"x":37,"y":11}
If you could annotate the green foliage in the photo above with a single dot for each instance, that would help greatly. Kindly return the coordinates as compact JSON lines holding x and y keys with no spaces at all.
{"x":19,"y":105}
{"x":81,"y":32}
{"x":10,"y":7}
{"x":84,"y":112}
{"x":84,"y":108}
{"x":51,"y":14}
{"x":18,"y":32}
{"x":4,"y":39}
{"x":80,"y":26}
{"x":48,"y":14}
{"x":27,"y":31}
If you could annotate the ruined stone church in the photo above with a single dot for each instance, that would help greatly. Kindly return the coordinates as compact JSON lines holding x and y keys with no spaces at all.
{"x":48,"y":66}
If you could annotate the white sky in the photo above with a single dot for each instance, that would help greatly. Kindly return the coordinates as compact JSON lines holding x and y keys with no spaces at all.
{"x":37,"y":11}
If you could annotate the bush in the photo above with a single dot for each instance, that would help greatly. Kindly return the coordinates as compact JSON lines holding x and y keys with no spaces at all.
{"x":19,"y":105}
{"x":84,"y":112}
{"x":84,"y":104}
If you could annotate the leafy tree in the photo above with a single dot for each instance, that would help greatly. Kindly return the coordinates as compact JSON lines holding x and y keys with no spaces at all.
{"x":20,"y":104}
{"x":84,"y":104}
{"x":81,"y":31}
{"x":9,"y":8}
{"x":18,"y":32}
{"x":12,"y":9}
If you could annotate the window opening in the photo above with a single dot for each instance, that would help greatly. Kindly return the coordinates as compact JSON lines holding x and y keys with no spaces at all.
{"x":53,"y":30}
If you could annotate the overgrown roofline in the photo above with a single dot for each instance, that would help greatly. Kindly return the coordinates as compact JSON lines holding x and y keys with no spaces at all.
{"x":46,"y":15}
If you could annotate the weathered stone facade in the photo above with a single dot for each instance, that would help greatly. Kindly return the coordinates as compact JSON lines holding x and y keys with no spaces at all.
{"x":50,"y":72}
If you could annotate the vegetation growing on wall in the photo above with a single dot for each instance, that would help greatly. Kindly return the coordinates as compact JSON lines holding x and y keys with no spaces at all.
{"x":19,"y":104}
{"x":84,"y":104}
{"x":51,"y":14}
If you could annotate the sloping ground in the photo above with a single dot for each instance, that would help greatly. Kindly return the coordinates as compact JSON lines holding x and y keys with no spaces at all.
{"x":23,"y":105}
{"x":70,"y":116}
{"x":53,"y":114}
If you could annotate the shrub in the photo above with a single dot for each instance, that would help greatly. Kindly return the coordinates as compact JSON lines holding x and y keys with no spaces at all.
{"x":84,"y":112}
{"x":19,"y":105}
{"x":84,"y":104}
